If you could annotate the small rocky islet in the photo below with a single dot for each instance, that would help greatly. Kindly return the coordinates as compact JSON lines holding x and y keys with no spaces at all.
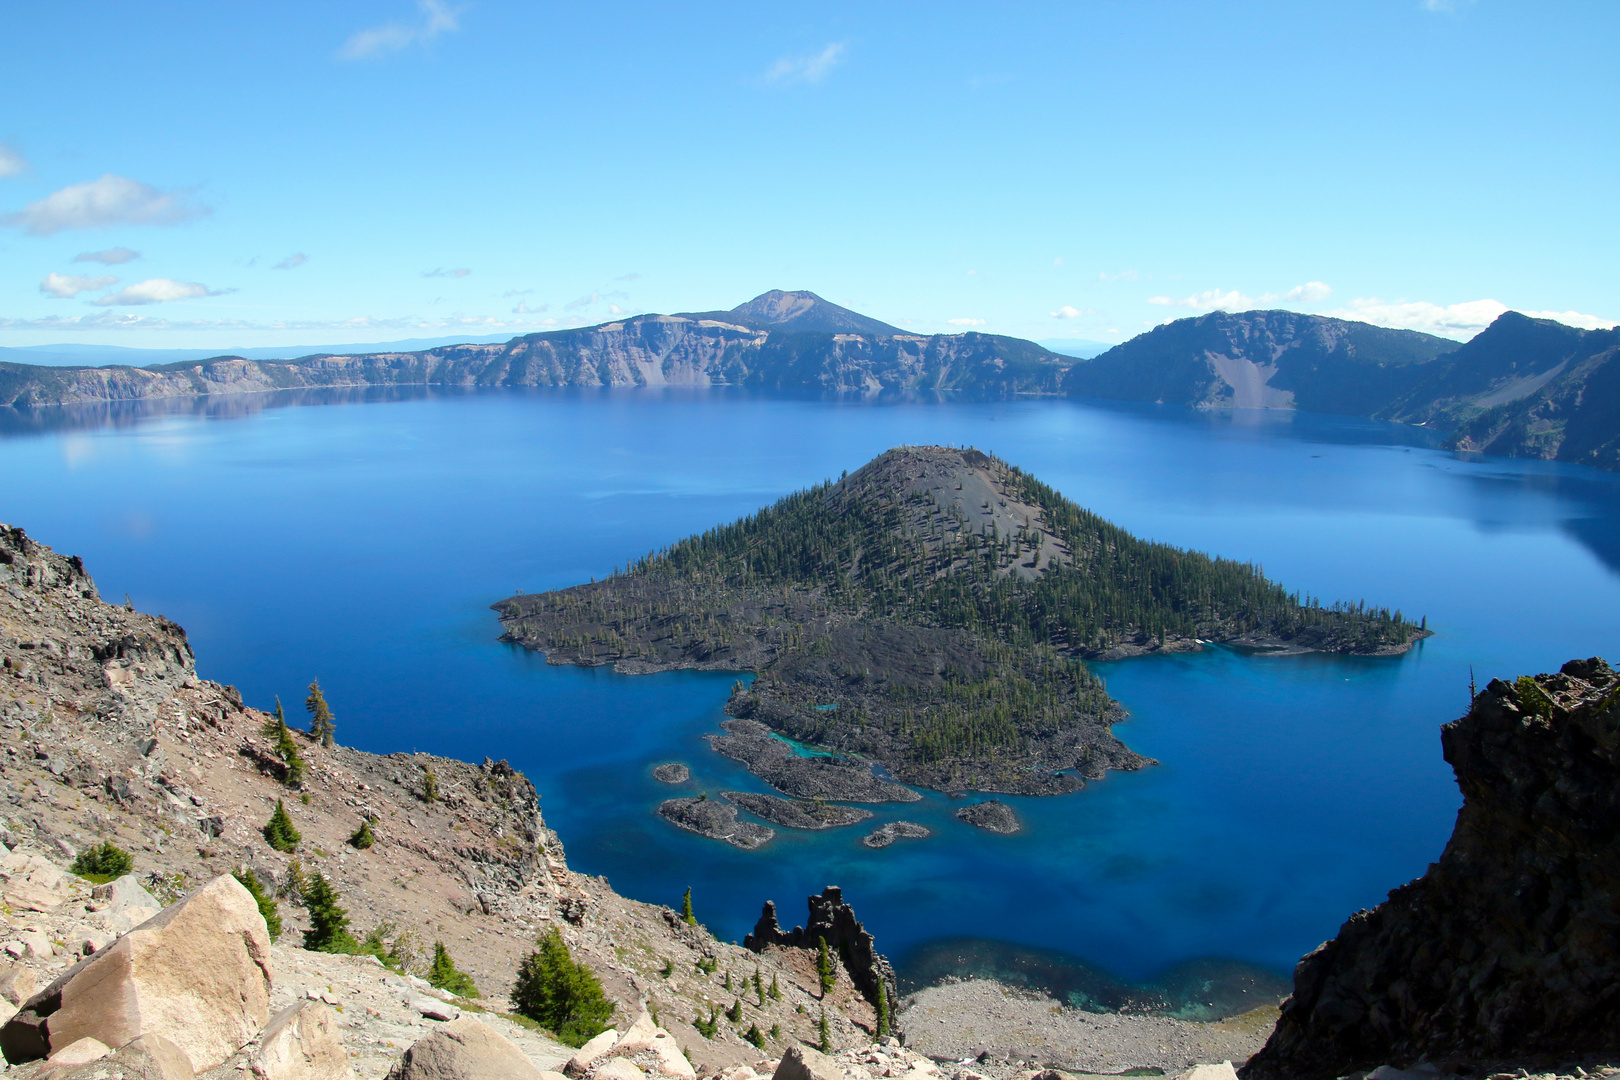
{"x":992,"y":815}
{"x":672,"y":772}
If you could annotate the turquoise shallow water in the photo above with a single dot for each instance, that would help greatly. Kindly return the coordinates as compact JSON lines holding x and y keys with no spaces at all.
{"x":361,"y":541}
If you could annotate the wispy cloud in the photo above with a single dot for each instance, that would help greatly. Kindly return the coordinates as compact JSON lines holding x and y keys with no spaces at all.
{"x":509,"y":293}
{"x":157,"y":291}
{"x":965,"y":322}
{"x":439,"y":271}
{"x":291,"y":262}
{"x":628,"y":277}
{"x":524,"y":309}
{"x":436,"y":18}
{"x":1312,"y":292}
{"x":12,"y":162}
{"x":1069,"y":311}
{"x":119,"y":320}
{"x":111,"y":200}
{"x":67,"y":286}
{"x":1461,"y":321}
{"x":597,"y":297}
{"x":110,"y":257}
{"x":806,"y":69}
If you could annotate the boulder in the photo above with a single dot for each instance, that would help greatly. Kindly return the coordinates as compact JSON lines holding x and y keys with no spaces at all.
{"x":302,"y":1043}
{"x":586,"y":1056}
{"x":804,"y":1063}
{"x":124,"y":904}
{"x":434,"y":1009}
{"x":645,"y":1036}
{"x":151,"y":1057}
{"x":30,"y":882}
{"x":18,"y":984}
{"x":197,"y":974}
{"x":463,"y":1049}
{"x":80,"y":1051}
{"x":1223,"y":1071}
{"x":619,"y":1069}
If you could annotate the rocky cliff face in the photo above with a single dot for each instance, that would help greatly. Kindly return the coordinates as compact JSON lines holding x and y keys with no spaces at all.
{"x":832,"y":921}
{"x":784,"y":343}
{"x":1507,"y":949}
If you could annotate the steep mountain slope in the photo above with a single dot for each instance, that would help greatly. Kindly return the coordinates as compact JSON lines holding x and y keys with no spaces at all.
{"x":931,"y":612}
{"x":778,"y":341}
{"x":1526,"y":388}
{"x":1262,"y":360}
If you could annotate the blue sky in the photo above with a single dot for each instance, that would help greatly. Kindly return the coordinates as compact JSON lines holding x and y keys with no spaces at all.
{"x":322,"y":173}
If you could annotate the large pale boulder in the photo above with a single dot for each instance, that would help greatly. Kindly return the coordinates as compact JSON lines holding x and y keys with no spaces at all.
{"x":302,"y":1043}
{"x":464,"y":1049}
{"x":123,"y":904}
{"x":587,"y":1055}
{"x":619,"y":1069}
{"x":198,"y":974}
{"x":151,"y":1057}
{"x":805,"y":1063}
{"x":30,"y":882}
{"x":644,"y":1035}
{"x":1223,"y":1071}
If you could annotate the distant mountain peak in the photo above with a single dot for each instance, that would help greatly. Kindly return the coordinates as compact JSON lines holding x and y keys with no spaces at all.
{"x":799,"y":309}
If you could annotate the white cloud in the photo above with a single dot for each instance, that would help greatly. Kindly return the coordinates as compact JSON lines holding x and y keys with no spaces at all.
{"x":122,"y":320}
{"x":459,"y":271}
{"x":509,"y":293}
{"x":67,"y":286}
{"x":807,"y":69}
{"x":11,"y":161}
{"x":1068,"y":311}
{"x":395,"y":37}
{"x":965,"y":322}
{"x":1311,"y":292}
{"x":1461,"y":321}
{"x":156,"y":291}
{"x":110,"y":257}
{"x":111,"y":200}
{"x":292,"y":262}
{"x":524,"y":309}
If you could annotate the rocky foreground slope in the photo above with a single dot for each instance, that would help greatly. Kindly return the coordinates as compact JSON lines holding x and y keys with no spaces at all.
{"x":1508,"y":949}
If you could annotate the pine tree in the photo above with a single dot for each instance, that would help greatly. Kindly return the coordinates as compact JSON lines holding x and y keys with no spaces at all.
{"x":279,"y":832}
{"x":759,"y":988}
{"x":430,"y":784}
{"x":686,"y":908}
{"x":823,"y":1037}
{"x":775,"y":991}
{"x":560,"y":994}
{"x":754,"y":1036}
{"x":444,"y":974}
{"x":362,"y":837}
{"x":267,"y":903}
{"x":824,"y":967}
{"x":322,"y":725}
{"x":882,"y":1031}
{"x":276,"y":729}
{"x":328,"y":922}
{"x":734,"y":1014}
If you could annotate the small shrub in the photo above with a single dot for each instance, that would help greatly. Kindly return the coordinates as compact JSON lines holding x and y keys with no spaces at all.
{"x":734,"y":1014}
{"x":668,"y":969}
{"x":267,"y":903}
{"x":823,"y":1037}
{"x":707,"y":964}
{"x":562,"y":995}
{"x":362,"y":837}
{"x":707,"y":1028}
{"x":430,"y":784}
{"x":279,"y":832}
{"x":754,"y":1036}
{"x":444,"y":974}
{"x":775,"y":991}
{"x":103,"y":862}
{"x":776,"y":1032}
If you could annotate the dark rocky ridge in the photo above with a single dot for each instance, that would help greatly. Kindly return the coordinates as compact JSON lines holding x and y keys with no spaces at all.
{"x":833,"y":921}
{"x":797,"y":813}
{"x":1507,"y":949}
{"x":930,"y":612}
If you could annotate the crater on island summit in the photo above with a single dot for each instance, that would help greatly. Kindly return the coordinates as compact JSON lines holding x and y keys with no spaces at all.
{"x":930,"y":613}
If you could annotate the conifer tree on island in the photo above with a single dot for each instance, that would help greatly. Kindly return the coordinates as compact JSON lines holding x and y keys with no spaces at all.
{"x":279,"y":832}
{"x":559,"y":994}
{"x":322,"y":725}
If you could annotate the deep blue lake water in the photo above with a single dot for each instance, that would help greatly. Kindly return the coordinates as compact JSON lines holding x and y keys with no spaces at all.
{"x":363,"y":541}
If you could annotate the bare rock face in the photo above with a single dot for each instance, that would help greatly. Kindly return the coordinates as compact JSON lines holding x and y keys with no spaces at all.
{"x":803,"y":1063}
{"x":833,"y":921}
{"x":592,"y":1052}
{"x":32,"y":883}
{"x":302,"y":1043}
{"x":1507,"y":948}
{"x":151,"y":1057}
{"x":464,"y":1050}
{"x":197,"y":974}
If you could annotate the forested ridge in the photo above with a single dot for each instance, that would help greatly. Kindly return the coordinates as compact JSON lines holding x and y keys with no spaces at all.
{"x":933,"y":611}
